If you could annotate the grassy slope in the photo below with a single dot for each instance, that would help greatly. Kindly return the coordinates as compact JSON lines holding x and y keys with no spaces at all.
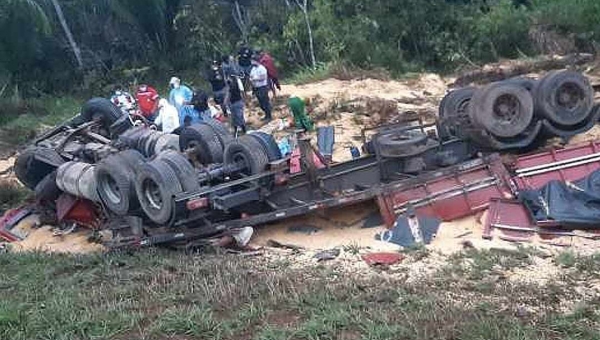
{"x":35,"y":115}
{"x":155,"y":294}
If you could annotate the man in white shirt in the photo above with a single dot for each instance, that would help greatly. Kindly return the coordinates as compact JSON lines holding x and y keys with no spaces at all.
{"x":168,"y":117}
{"x":260,"y":82}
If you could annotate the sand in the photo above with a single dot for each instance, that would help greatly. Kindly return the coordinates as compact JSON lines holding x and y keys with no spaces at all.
{"x":44,"y":240}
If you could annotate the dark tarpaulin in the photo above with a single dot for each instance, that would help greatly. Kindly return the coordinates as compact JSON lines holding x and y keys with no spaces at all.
{"x":569,"y":204}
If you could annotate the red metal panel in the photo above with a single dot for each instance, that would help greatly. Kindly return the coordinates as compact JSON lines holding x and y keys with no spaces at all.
{"x":452,"y":195}
{"x":511,"y":219}
{"x":570,"y":170}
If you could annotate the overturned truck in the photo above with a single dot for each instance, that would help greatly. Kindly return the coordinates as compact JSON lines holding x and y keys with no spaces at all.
{"x":152,"y":188}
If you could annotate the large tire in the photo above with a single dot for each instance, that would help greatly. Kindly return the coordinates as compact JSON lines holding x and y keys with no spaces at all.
{"x":47,"y":190}
{"x":203,"y":142}
{"x":115,"y":178}
{"x":166,"y":142}
{"x":156,"y":184}
{"x":225,"y":137}
{"x":101,"y":109}
{"x":402,"y":143}
{"x":454,"y":112}
{"x":35,"y":163}
{"x":247,"y":151}
{"x":564,"y":97}
{"x":269,"y":145}
{"x":528,"y":83}
{"x":183,"y":168}
{"x":504,"y":110}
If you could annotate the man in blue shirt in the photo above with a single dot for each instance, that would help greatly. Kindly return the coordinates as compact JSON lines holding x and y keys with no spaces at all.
{"x":180,"y":95}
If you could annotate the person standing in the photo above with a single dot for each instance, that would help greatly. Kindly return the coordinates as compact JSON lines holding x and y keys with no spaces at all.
{"x":229,"y":66}
{"x":180,"y":95}
{"x":236,"y":105}
{"x":167,"y":117}
{"x":148,"y":99}
{"x":245,"y":59}
{"x":260,"y":85}
{"x":217,"y":80}
{"x":267,"y":61}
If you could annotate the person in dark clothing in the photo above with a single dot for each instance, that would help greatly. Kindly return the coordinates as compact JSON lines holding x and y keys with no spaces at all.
{"x":217,"y":80}
{"x":245,"y":59}
{"x":236,"y":101}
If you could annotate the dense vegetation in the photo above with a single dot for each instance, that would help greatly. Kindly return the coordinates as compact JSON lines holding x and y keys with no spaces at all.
{"x":50,"y":46}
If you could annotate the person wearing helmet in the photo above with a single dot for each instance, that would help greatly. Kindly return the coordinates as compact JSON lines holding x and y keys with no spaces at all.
{"x":147,"y":98}
{"x":167,"y":117}
{"x":245,"y":59}
{"x":180,"y":95}
{"x":216,"y":78}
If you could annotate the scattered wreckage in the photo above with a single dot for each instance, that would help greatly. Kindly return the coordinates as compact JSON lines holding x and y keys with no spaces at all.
{"x":103,"y":170}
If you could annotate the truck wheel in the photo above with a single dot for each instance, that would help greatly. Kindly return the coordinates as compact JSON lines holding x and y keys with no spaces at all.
{"x":247,"y":152}
{"x":504,"y":110}
{"x":101,"y":109}
{"x":156,"y":184}
{"x":35,"y":163}
{"x":269,"y":145}
{"x":183,"y":169}
{"x":564,"y":97}
{"x":115,"y":178}
{"x":47,"y":190}
{"x":454,"y":112}
{"x":202,"y":143}
{"x":225,"y":137}
{"x":527,"y":83}
{"x":165,"y":142}
{"x":401,"y":143}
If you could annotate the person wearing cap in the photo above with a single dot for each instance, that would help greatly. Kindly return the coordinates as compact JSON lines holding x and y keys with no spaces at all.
{"x":260,"y":84}
{"x":217,"y":80}
{"x":167,"y":117}
{"x":180,"y":95}
{"x":147,"y":98}
{"x":267,"y":61}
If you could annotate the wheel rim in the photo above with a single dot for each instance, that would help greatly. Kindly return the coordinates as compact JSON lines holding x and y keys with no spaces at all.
{"x":109,"y":186}
{"x":152,"y":194}
{"x":240,"y":158}
{"x":569,"y":96}
{"x":506,"y":109}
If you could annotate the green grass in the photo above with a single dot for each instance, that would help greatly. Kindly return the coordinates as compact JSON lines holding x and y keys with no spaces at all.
{"x":21,"y":121}
{"x":12,"y":194}
{"x":159,"y":294}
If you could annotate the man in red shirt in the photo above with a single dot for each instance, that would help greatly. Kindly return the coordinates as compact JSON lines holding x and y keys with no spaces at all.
{"x":147,"y":99}
{"x":267,"y":61}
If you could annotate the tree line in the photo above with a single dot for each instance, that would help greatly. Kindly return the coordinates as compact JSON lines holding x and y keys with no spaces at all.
{"x":58,"y":46}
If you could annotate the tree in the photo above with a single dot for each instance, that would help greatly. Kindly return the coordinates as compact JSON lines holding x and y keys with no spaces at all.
{"x":303,"y":4}
{"x":68,"y":34}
